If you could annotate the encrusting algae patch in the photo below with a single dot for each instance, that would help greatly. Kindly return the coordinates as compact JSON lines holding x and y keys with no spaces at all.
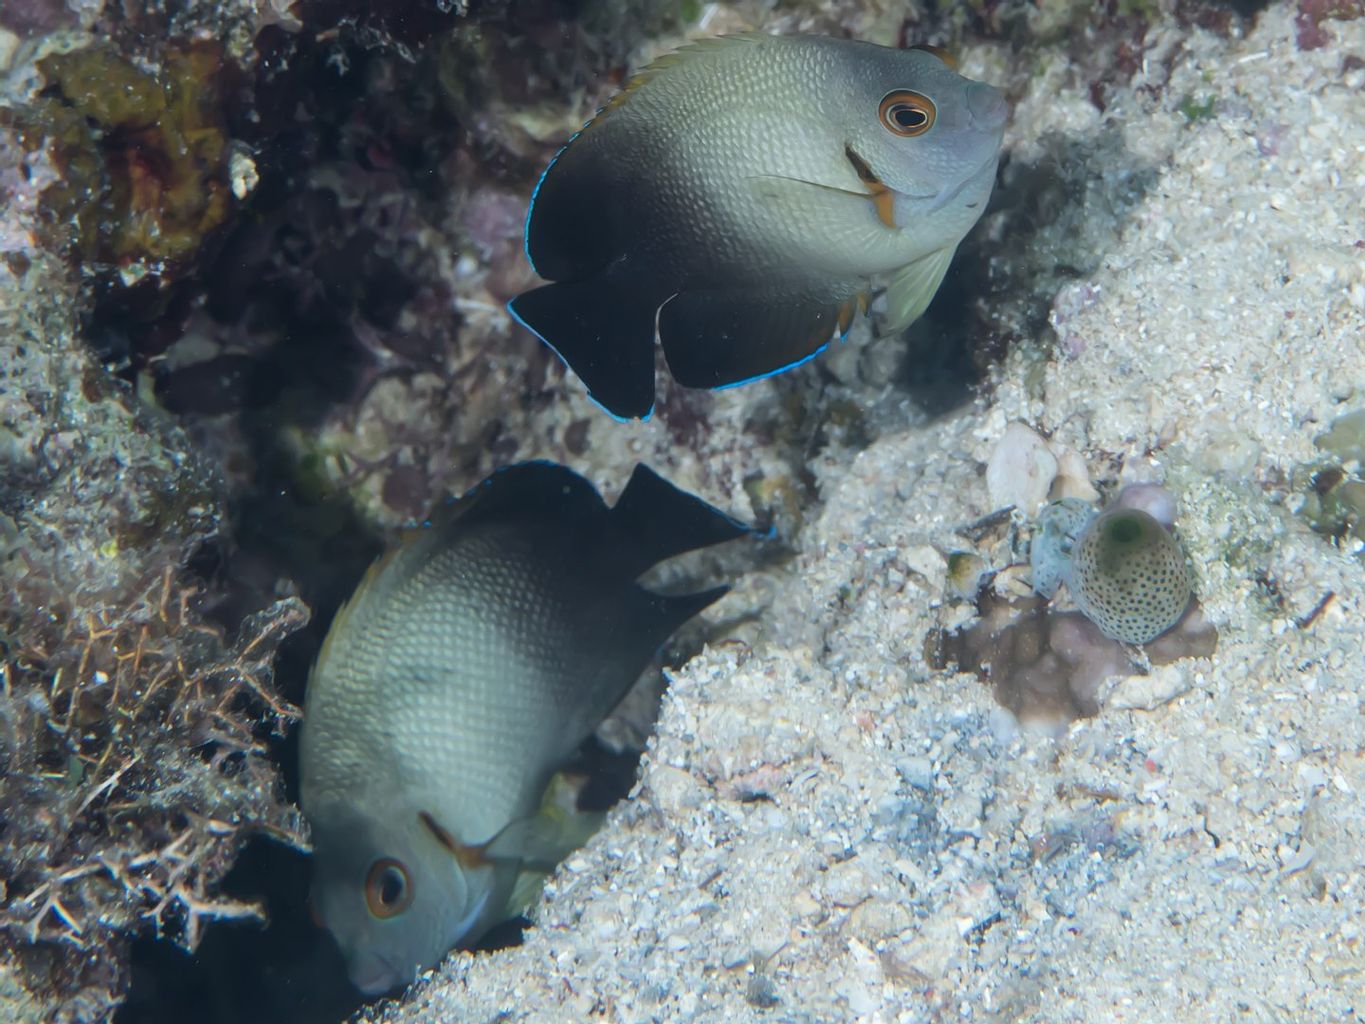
{"x":143,"y":157}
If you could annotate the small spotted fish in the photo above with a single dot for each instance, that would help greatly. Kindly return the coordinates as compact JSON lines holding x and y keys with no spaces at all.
{"x":1128,"y":576}
{"x":468,"y":667}
{"x":735,"y":200}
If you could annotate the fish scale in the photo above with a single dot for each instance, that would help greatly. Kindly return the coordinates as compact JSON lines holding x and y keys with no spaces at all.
{"x":493,"y":713}
{"x":736,"y":195}
{"x":467,"y":667}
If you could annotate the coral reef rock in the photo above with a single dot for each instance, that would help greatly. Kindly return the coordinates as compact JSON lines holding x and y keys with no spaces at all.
{"x":132,"y":754}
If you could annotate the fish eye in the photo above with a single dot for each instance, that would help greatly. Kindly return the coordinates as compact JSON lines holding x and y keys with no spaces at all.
{"x":907,"y":113}
{"x":938,"y":52}
{"x":388,"y":891}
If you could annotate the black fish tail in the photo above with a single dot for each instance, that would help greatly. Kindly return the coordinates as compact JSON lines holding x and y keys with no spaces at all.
{"x":603,"y":329}
{"x":656,"y":520}
{"x":643,"y":623}
{"x":663,"y":615}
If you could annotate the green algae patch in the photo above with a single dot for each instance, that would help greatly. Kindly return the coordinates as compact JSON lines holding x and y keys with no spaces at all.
{"x":1195,"y":110}
{"x":143,"y":157}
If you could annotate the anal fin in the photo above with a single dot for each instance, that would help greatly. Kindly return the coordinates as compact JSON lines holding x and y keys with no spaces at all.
{"x":913,"y":287}
{"x":721,"y":338}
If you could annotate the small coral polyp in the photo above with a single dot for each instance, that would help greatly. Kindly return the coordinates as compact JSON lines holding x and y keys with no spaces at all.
{"x":1128,"y":575}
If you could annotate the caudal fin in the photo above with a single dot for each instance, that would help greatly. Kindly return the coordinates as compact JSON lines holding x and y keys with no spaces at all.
{"x":658,"y":616}
{"x":655,"y":520}
{"x":603,"y":329}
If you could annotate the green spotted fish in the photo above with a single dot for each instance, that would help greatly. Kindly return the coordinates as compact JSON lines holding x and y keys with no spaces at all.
{"x":469,"y":666}
{"x":736,"y":199}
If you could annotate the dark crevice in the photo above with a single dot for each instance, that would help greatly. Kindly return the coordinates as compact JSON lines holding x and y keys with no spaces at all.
{"x":290,"y":971}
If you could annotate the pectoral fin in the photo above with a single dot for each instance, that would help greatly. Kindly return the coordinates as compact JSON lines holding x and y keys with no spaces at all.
{"x":559,"y":829}
{"x":539,"y":842}
{"x":552,"y":839}
{"x":912,"y":288}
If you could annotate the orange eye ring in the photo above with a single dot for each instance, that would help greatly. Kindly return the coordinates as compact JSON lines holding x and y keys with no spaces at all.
{"x":388,"y":890}
{"x":906,"y":113}
{"x":938,"y":52}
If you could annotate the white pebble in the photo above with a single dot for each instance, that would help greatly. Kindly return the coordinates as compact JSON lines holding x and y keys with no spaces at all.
{"x":1020,"y":470}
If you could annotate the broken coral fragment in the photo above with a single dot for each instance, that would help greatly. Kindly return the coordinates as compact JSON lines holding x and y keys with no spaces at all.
{"x":1054,"y":666}
{"x":1041,"y":664}
{"x":1020,"y":470}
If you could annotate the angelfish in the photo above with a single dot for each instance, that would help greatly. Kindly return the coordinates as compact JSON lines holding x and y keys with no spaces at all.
{"x":467,"y":668}
{"x":736,"y":199}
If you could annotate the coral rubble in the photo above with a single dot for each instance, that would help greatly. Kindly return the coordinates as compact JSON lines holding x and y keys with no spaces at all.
{"x":132,"y":731}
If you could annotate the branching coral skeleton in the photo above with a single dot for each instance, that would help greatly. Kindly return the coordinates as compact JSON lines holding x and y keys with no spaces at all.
{"x":98,"y":686}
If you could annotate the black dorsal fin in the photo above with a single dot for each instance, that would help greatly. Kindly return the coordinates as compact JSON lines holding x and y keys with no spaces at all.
{"x":651,"y":521}
{"x":530,"y":491}
{"x":656,"y":520}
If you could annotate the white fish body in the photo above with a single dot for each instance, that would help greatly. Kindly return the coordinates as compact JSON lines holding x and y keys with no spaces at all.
{"x":470,"y":664}
{"x":738,"y":197}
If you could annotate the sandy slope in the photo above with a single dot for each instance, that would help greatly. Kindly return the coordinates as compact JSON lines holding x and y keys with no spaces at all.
{"x":828,"y":830}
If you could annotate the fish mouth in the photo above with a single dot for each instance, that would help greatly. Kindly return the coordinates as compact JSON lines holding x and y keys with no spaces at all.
{"x":943,"y":198}
{"x":372,"y":974}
